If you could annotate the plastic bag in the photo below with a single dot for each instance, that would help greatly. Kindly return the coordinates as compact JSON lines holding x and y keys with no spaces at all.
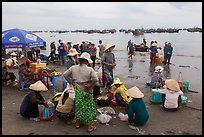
{"x":107,"y":110}
{"x":104,"y":118}
{"x":123,"y":117}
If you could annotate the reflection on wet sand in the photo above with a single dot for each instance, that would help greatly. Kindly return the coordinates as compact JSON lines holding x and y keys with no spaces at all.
{"x":130,"y":64}
{"x":167,"y":72}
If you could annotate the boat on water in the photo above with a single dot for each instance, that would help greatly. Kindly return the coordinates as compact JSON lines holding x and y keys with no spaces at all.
{"x":137,"y":32}
{"x":141,"y":48}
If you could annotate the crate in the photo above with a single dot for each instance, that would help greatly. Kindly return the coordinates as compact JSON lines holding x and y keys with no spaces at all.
{"x":159,"y":59}
{"x":35,"y":66}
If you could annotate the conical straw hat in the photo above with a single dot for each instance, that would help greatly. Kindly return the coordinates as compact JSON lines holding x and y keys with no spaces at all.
{"x":21,"y":61}
{"x":73,"y":52}
{"x":134,"y":92}
{"x":172,"y":84}
{"x":107,"y":46}
{"x":38,"y":86}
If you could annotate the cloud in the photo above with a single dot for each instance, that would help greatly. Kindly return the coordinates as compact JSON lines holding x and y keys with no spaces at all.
{"x":59,"y":15}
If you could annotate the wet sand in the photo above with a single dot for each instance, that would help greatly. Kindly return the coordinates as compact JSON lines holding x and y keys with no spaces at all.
{"x":186,"y":121}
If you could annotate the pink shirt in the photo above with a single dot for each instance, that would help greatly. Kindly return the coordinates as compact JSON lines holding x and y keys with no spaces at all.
{"x":92,"y":50}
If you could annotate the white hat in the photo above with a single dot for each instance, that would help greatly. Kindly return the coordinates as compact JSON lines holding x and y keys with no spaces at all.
{"x":158,"y":69}
{"x":38,"y":86}
{"x":108,"y":46}
{"x":86,"y":55}
{"x":134,"y":92}
{"x":117,"y":81}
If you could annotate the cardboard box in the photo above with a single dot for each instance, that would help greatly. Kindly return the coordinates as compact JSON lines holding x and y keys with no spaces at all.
{"x":35,"y":66}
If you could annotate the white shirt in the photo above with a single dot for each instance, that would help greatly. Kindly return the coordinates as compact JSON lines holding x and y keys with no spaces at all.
{"x":171,"y":99}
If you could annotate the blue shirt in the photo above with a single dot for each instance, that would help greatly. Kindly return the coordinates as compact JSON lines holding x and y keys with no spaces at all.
{"x":61,"y":50}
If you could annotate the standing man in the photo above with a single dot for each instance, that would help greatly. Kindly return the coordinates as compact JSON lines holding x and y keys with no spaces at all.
{"x":62,"y":49}
{"x":93,"y":51}
{"x":144,"y":41}
{"x":168,"y":50}
{"x":130,"y":50}
{"x":101,"y":48}
{"x":53,"y":50}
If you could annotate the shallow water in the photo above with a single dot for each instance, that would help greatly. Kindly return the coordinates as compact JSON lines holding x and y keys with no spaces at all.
{"x":187,"y":52}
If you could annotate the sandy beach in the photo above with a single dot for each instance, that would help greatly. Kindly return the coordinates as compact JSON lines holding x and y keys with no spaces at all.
{"x":186,"y":121}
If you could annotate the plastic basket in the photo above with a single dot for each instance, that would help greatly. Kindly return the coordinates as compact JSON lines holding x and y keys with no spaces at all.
{"x":156,"y":97}
{"x":45,"y":118}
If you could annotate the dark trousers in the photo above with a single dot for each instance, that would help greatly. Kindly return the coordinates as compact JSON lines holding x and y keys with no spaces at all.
{"x":93,"y":58}
{"x":167,"y":59}
{"x":152,"y":58}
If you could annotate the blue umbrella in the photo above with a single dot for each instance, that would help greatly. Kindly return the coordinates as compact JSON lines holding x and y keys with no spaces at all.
{"x":18,"y":38}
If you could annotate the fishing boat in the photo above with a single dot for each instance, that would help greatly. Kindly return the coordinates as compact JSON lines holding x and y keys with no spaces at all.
{"x":141,"y":48}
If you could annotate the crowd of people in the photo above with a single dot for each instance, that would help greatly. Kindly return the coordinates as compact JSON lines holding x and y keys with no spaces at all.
{"x":63,"y":55}
{"x":81,"y":75}
{"x":153,"y":48}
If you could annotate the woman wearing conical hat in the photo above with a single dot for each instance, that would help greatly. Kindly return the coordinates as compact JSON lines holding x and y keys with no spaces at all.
{"x":29,"y":106}
{"x":171,"y":95}
{"x":153,"y":50}
{"x":72,"y":57}
{"x":108,"y":64}
{"x":137,"y":111}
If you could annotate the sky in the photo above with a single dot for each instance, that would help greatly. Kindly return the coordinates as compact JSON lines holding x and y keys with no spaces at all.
{"x":100,"y":15}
